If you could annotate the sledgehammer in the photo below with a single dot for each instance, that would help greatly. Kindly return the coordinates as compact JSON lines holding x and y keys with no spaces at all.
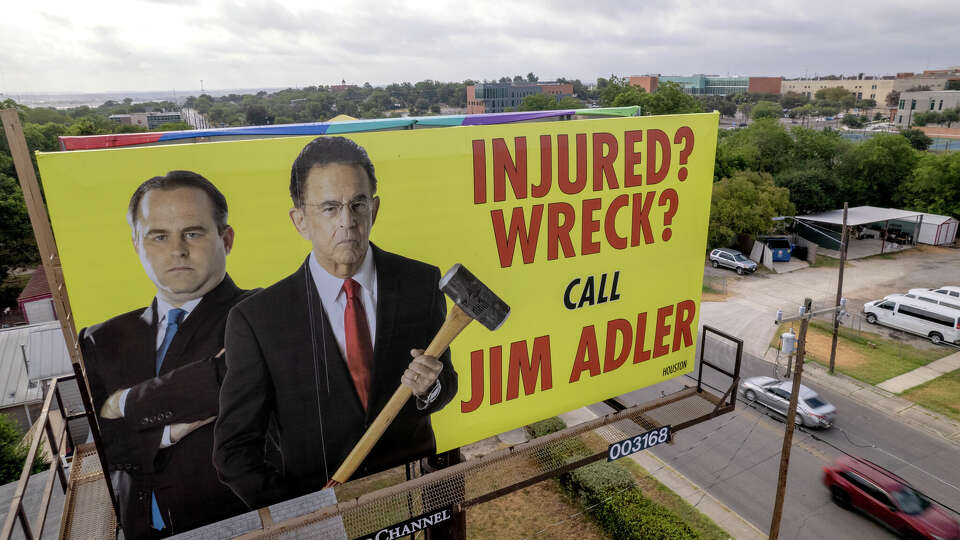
{"x":472,"y":300}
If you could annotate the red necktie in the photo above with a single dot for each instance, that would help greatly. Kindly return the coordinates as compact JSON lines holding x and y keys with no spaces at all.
{"x":359,"y":347}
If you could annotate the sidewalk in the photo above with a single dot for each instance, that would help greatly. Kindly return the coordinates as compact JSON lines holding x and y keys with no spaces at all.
{"x":710,"y":506}
{"x":884,"y":401}
{"x":922,"y":374}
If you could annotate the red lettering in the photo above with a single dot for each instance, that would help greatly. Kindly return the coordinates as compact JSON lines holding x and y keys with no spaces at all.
{"x":558,"y":234}
{"x":545,"y":169}
{"x":588,"y":357}
{"x":611,"y":359}
{"x":641,"y":219}
{"x":496,"y":374}
{"x":479,"y":172}
{"x":476,"y":383}
{"x":507,"y":242}
{"x":571,"y":187}
{"x":610,"y":222}
{"x":681,"y":324}
{"x":603,"y":162}
{"x":662,"y":331}
{"x":657,"y":138}
{"x":639,"y":354}
{"x":590,"y":226}
{"x":530,"y":368}
{"x":631,"y":158}
{"x":504,"y":166}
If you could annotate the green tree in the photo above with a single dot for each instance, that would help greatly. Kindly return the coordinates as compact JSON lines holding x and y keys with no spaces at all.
{"x":745,"y":204}
{"x":18,"y":248}
{"x":766,"y":109}
{"x":893,"y":98}
{"x":532,"y":78}
{"x":925,"y":117}
{"x":918,"y":139}
{"x":538,"y":102}
{"x":813,"y":186}
{"x":13,"y":452}
{"x":934,"y":185}
{"x":669,"y":98}
{"x":174,"y":126}
{"x":950,"y":116}
{"x":854,"y":121}
{"x":872,"y":171}
{"x":764,"y":146}
{"x":792,"y":100}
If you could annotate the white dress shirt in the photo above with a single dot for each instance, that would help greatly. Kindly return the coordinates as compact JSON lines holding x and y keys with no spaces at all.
{"x":334,"y":298}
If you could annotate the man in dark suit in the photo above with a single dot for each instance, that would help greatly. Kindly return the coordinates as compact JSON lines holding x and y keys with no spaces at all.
{"x":316,"y":356}
{"x":155,"y":372}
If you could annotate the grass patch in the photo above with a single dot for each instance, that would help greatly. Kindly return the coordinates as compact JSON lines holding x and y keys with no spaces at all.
{"x":827,"y":262}
{"x":940,"y":395}
{"x":543,"y":508}
{"x":865,"y":356}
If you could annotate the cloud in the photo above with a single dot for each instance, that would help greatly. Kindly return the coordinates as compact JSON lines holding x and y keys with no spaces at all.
{"x":157,"y":44}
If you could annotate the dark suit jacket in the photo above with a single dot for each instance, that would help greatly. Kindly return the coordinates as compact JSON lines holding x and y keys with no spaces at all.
{"x":285,"y":374}
{"x":121,"y":353}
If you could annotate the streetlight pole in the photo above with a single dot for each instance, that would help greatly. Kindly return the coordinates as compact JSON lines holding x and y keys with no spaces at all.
{"x":844,"y":242}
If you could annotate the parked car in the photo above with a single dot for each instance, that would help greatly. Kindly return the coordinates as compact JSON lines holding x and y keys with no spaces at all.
{"x":732,"y":258}
{"x":937,"y":322}
{"x":861,"y":484}
{"x":774,"y":394}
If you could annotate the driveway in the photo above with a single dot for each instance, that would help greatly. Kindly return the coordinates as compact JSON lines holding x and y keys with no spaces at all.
{"x":753,"y":300}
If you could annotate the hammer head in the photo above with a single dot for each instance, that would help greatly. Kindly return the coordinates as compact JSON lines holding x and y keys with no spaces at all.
{"x":473,"y":297}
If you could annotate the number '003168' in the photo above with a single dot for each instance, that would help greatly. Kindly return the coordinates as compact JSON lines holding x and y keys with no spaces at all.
{"x":638,"y":443}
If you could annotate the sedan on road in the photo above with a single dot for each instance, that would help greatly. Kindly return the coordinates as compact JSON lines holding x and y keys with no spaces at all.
{"x":774,"y":394}
{"x":888,"y":499}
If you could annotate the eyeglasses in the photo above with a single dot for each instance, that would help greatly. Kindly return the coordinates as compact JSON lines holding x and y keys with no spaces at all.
{"x":332,"y":209}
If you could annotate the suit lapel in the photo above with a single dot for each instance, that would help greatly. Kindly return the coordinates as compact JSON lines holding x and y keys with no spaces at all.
{"x":388,"y":302}
{"x":146,"y":343}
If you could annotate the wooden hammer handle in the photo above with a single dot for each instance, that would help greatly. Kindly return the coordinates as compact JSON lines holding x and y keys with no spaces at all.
{"x":456,"y":321}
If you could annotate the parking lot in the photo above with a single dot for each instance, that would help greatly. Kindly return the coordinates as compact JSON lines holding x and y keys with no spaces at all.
{"x":753,"y":300}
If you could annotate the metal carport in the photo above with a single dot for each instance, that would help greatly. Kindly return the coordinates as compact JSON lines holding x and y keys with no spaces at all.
{"x":824,"y":229}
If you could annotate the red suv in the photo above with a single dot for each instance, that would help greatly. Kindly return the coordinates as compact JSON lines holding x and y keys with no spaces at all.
{"x":887,"y":498}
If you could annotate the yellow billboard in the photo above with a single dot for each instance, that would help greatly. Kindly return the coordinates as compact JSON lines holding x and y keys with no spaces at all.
{"x":593,"y":231}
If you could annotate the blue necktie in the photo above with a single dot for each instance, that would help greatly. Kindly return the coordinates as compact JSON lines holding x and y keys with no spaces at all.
{"x":174,"y":316}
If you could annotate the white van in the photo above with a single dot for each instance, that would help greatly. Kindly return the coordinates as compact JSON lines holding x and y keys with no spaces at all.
{"x":933,"y":297}
{"x":939,"y":323}
{"x":949,"y":291}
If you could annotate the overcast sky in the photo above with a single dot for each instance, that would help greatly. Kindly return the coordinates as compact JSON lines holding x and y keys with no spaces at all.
{"x":91,"y":46}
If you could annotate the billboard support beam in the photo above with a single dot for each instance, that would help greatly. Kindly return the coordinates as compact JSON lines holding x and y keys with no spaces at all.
{"x":50,"y":258}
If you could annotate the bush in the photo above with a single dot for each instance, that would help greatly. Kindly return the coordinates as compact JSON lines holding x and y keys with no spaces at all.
{"x":546,"y":427}
{"x":630,"y":515}
{"x":608,"y":492}
{"x":594,"y":482}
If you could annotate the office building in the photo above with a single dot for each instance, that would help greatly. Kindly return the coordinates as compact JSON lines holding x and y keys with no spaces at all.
{"x":500,"y":97}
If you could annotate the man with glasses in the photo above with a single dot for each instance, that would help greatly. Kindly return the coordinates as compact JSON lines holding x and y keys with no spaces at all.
{"x":312,"y":359}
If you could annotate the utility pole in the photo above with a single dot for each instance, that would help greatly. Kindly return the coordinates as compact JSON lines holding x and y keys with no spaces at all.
{"x":791,"y":417}
{"x":844,"y":242}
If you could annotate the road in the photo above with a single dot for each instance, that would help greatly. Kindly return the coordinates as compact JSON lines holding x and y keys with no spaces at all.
{"x":736,"y":457}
